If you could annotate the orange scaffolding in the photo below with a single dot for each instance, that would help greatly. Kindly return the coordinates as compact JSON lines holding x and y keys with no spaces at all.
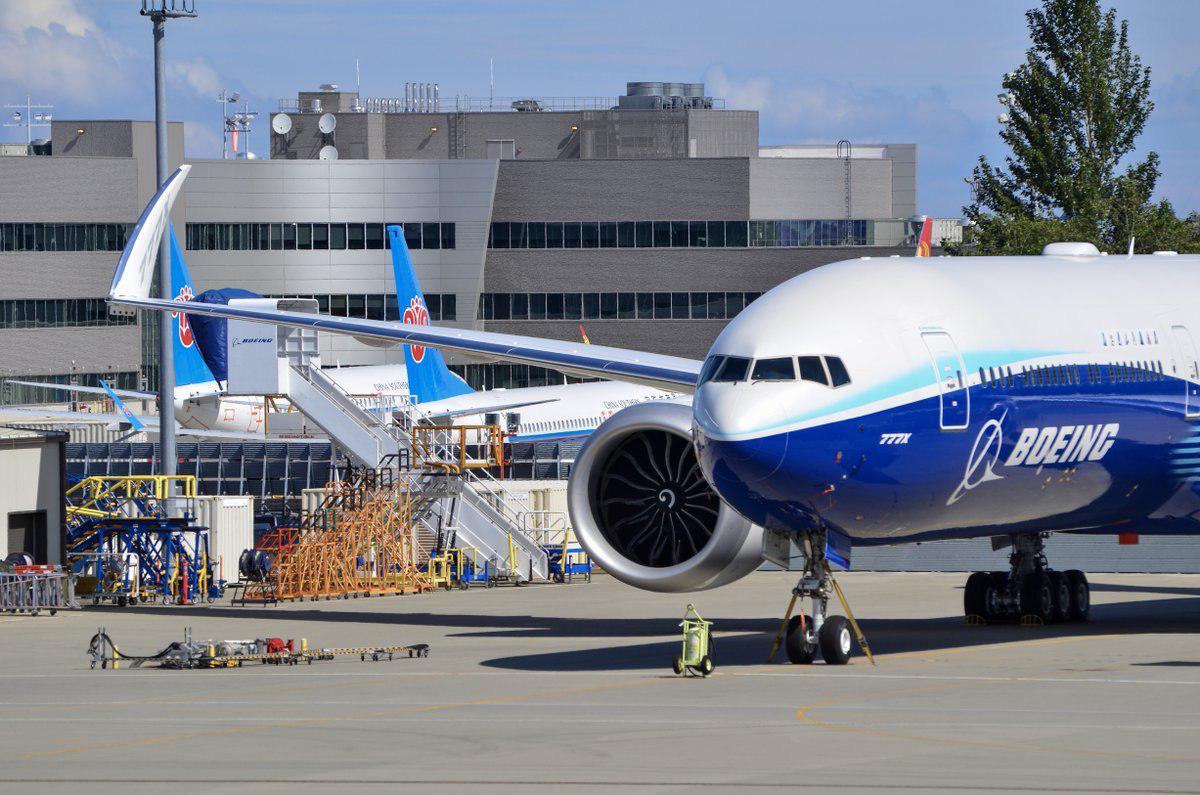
{"x":362,"y":539}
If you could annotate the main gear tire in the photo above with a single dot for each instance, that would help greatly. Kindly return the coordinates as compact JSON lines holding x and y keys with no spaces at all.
{"x":800,"y":644}
{"x":836,"y":641}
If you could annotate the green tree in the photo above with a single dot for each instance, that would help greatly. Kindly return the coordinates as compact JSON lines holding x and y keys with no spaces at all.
{"x":1073,"y":112}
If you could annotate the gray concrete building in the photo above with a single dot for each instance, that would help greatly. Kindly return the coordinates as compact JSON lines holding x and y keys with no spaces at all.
{"x":650,"y":219}
{"x":63,"y":222}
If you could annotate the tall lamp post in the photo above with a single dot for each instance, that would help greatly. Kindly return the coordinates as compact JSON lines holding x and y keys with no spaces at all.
{"x":159,"y":12}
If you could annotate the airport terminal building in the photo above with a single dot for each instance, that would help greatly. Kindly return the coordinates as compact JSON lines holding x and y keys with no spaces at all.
{"x":649,"y":219}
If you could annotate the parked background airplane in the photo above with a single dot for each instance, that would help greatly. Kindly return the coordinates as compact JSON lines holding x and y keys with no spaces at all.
{"x":543,"y":413}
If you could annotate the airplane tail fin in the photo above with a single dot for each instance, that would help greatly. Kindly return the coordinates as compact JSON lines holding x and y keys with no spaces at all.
{"x":429,"y":378}
{"x":190,"y":368}
{"x":925,"y":238}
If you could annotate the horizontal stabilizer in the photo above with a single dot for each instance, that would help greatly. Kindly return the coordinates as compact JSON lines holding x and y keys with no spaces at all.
{"x":485,"y":408}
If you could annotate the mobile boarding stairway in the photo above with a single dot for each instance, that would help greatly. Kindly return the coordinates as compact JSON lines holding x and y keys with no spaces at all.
{"x":459,"y":502}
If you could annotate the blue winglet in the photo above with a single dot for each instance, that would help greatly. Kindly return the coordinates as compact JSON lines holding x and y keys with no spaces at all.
{"x":136,"y":423}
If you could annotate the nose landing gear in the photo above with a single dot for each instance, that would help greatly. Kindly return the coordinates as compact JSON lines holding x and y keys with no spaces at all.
{"x":1030,"y":591}
{"x":806,"y":633}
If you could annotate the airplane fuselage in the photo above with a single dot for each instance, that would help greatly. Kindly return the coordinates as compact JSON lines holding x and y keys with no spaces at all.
{"x":986,"y":396}
{"x":550,"y":413}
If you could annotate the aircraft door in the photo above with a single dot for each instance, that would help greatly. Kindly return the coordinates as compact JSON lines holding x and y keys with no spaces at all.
{"x":955,"y":401}
{"x":1188,"y":369}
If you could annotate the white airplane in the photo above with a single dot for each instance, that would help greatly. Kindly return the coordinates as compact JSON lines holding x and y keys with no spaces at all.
{"x":528,"y":414}
{"x":873,"y":401}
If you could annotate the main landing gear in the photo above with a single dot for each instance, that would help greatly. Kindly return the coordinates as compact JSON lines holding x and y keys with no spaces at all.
{"x":1029,"y":591}
{"x":809,"y":632}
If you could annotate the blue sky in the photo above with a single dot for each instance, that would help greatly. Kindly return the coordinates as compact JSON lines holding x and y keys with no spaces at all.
{"x":869,"y":71}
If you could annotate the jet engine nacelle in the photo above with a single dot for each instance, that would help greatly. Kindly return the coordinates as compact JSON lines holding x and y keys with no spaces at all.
{"x":642,"y":509}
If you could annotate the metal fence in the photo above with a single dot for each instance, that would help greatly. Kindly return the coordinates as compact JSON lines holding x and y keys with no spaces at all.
{"x":258,"y":469}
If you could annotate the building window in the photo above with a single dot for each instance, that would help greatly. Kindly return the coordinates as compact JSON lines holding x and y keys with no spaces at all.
{"x":681,"y":234}
{"x":63,"y":237}
{"x":59,"y":312}
{"x":610,"y":306}
{"x":253,"y":237}
{"x":378,"y":306}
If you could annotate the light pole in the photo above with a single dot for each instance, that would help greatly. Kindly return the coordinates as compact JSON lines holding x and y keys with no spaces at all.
{"x":159,"y":12}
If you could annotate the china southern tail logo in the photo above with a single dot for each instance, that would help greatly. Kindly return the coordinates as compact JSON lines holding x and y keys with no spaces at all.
{"x":1052,"y":444}
{"x":416,"y":314}
{"x":186,"y":338}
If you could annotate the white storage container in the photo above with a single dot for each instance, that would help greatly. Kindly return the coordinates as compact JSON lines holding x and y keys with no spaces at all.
{"x":230,"y":523}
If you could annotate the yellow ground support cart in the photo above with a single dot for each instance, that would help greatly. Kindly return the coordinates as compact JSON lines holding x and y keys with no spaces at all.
{"x":696,"y":655}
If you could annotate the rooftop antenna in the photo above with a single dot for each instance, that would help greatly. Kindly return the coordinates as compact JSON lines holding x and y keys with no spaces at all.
{"x":357,"y":80}
{"x":491,"y":82}
{"x":30,"y":119}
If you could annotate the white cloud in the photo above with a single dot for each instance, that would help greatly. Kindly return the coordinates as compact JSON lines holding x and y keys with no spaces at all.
{"x":19,"y":16}
{"x":198,"y":74}
{"x":52,"y":47}
{"x":202,"y":140}
{"x":751,"y":94}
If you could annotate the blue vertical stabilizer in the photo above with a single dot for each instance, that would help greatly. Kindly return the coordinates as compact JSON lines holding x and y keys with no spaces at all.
{"x":190,"y":368}
{"x":429,"y":378}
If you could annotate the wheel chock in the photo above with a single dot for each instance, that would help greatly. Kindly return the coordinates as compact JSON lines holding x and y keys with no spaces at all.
{"x":1032,"y":621}
{"x":974,"y":620}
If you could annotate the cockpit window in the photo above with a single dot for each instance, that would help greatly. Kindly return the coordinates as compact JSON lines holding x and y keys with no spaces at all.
{"x":710,"y":368}
{"x":837,"y":371}
{"x":811,"y":369}
{"x":780,"y":369}
{"x":734,"y":368}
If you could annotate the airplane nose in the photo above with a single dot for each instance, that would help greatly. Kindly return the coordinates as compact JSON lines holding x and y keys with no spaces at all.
{"x":728,"y":453}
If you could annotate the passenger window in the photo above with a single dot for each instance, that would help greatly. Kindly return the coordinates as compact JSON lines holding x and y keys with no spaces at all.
{"x":734,"y":368}
{"x":811,"y":370}
{"x":837,"y":371}
{"x":779,"y":369}
{"x":710,"y":369}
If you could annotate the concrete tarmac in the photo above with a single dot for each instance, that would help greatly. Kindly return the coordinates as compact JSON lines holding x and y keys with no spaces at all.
{"x":569,"y":688}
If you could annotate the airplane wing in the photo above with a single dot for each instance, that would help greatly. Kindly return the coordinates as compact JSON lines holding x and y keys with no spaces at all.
{"x":484,"y":408}
{"x":91,"y":390}
{"x":26,"y":416}
{"x":135,"y":270}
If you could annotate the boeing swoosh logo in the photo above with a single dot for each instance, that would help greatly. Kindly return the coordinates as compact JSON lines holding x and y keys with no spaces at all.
{"x":981,"y":463}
